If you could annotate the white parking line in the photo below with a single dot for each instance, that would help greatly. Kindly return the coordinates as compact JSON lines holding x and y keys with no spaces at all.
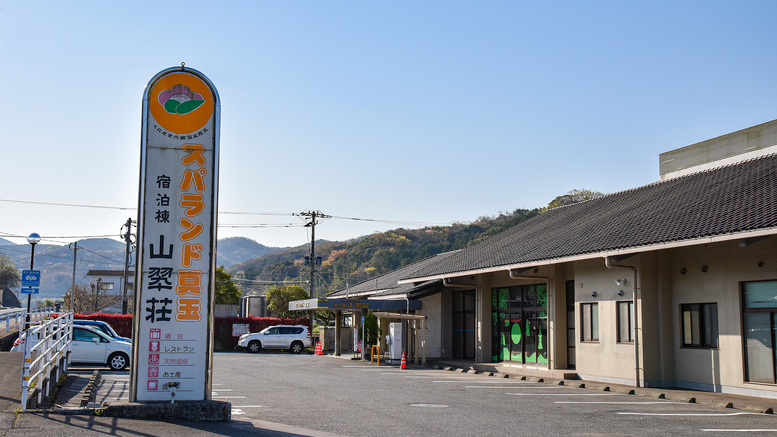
{"x":740,"y":430}
{"x":563,"y":394}
{"x":618,"y":403}
{"x":492,"y":382}
{"x":539,"y":387}
{"x":692,"y":414}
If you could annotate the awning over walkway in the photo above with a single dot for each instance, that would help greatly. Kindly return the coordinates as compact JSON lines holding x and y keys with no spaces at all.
{"x":353,"y":304}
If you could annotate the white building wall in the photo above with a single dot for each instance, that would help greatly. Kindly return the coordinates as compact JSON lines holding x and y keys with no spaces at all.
{"x":432,"y":309}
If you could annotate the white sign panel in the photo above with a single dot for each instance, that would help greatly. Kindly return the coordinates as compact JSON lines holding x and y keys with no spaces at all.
{"x":173,"y":319}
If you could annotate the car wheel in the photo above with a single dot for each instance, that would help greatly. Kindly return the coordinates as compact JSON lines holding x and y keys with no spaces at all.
{"x":118,"y":361}
{"x":254,"y":347}
{"x":296,"y":347}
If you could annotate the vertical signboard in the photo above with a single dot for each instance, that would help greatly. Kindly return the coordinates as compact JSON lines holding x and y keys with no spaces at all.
{"x":175,"y":274}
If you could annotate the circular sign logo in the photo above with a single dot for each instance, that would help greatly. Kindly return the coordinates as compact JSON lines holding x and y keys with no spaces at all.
{"x":181,"y":102}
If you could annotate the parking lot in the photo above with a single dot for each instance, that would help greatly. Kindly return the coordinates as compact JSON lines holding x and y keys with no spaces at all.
{"x":345,"y":397}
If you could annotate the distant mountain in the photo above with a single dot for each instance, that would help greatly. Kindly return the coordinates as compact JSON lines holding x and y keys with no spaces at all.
{"x":362,"y":258}
{"x":56,"y":262}
{"x":236,"y":250}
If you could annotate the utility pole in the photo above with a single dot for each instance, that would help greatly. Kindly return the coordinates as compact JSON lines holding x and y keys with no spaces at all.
{"x":312,"y":222}
{"x":73,"y":289}
{"x":127,"y":239}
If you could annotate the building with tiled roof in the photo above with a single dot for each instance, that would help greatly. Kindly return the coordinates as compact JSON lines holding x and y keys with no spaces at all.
{"x":669,"y":284}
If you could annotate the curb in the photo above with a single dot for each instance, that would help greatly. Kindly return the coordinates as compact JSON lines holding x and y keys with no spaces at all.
{"x":91,"y":389}
{"x":656,"y":393}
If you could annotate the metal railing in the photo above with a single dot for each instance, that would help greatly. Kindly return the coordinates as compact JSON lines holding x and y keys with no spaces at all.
{"x":15,"y":319}
{"x":46,"y":348}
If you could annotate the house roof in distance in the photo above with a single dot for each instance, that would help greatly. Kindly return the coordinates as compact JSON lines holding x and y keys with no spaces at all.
{"x":110,"y":273}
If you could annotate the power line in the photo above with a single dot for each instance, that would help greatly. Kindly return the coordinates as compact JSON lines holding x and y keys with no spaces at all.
{"x":289,"y":214}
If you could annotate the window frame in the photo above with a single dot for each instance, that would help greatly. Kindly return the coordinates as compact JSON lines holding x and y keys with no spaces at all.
{"x":703,"y":309}
{"x":587,"y":329}
{"x":630,"y":305}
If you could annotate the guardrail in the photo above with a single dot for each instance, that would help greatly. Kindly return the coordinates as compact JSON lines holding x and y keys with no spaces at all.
{"x":18,"y":316}
{"x":51,"y":350}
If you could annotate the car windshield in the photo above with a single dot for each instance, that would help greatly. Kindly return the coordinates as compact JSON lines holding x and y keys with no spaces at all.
{"x":102,"y":327}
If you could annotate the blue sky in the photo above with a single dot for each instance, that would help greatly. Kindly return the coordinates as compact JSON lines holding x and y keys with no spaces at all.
{"x":402,"y":112}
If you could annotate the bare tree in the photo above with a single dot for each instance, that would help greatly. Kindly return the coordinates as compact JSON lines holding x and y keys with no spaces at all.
{"x":89,"y":299}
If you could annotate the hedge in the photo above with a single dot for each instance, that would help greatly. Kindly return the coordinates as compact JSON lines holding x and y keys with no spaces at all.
{"x":223,"y":339}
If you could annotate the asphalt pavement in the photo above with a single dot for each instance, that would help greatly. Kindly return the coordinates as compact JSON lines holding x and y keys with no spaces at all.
{"x":77,"y":411}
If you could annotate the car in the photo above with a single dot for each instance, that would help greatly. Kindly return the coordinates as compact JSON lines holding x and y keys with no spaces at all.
{"x":90,"y":346}
{"x":101,"y":326}
{"x":293,"y":338}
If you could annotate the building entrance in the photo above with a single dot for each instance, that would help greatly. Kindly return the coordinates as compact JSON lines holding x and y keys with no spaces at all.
{"x":464,"y":324}
{"x":520,"y":325}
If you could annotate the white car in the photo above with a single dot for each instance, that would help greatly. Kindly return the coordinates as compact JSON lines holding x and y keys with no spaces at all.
{"x":90,"y":346}
{"x":294,"y":338}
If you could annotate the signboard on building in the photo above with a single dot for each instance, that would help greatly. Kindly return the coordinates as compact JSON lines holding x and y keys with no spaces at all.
{"x":173,"y":338}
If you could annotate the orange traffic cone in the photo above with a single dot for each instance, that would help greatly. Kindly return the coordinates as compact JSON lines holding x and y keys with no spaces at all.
{"x":403,"y":364}
{"x":319,"y":349}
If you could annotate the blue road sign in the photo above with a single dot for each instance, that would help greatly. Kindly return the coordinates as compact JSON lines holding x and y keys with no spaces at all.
{"x":30,"y":290}
{"x":30,"y":278}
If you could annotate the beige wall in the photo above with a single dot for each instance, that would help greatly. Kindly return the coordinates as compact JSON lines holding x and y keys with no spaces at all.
{"x":728,"y":265}
{"x":605,"y":359}
{"x":432,"y":309}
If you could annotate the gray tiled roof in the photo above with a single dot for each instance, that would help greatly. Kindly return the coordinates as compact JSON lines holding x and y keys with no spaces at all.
{"x":733,"y":199}
{"x":386,"y":284}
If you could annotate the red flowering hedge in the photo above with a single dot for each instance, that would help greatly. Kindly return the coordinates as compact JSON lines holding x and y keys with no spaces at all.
{"x":223,"y":339}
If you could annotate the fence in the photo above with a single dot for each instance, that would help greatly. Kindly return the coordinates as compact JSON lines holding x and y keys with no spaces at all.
{"x":36,"y":315}
{"x":49,"y":344}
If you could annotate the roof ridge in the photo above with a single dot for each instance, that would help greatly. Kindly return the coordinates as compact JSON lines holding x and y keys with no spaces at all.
{"x":659,"y":182}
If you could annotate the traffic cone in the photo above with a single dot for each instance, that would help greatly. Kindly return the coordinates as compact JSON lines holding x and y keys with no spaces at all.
{"x":403,"y":364}
{"x":319,"y":348}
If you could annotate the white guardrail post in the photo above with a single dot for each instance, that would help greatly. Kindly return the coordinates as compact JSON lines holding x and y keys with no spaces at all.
{"x":51,"y":340}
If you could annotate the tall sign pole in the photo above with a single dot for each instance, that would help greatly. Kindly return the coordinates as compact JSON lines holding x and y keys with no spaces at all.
{"x":175,"y":269}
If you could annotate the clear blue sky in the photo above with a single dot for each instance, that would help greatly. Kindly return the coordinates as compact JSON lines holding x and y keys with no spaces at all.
{"x":412,"y":112}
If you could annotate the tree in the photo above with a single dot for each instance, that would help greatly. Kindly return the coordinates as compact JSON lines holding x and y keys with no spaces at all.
{"x":47,"y":303}
{"x":9,"y":275}
{"x":226,"y":290}
{"x":372,"y":330}
{"x":574,"y":196}
{"x":324,"y":318}
{"x":278,"y":299}
{"x":88,"y":300}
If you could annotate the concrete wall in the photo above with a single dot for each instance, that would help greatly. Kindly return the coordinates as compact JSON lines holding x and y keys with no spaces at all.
{"x":723,"y":150}
{"x":605,"y":359}
{"x":432,"y":309}
{"x":728,"y":265}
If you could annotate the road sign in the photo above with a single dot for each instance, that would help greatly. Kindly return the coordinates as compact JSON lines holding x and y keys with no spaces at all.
{"x":30,"y":278}
{"x":30,"y":290}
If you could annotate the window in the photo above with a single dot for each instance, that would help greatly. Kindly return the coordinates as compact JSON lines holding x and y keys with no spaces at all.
{"x":626,"y":322}
{"x":86,"y":335}
{"x":759,"y":317}
{"x":700,"y":324}
{"x":590,"y":319}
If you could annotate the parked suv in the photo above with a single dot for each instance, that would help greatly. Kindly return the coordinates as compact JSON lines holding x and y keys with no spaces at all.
{"x":294,"y":338}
